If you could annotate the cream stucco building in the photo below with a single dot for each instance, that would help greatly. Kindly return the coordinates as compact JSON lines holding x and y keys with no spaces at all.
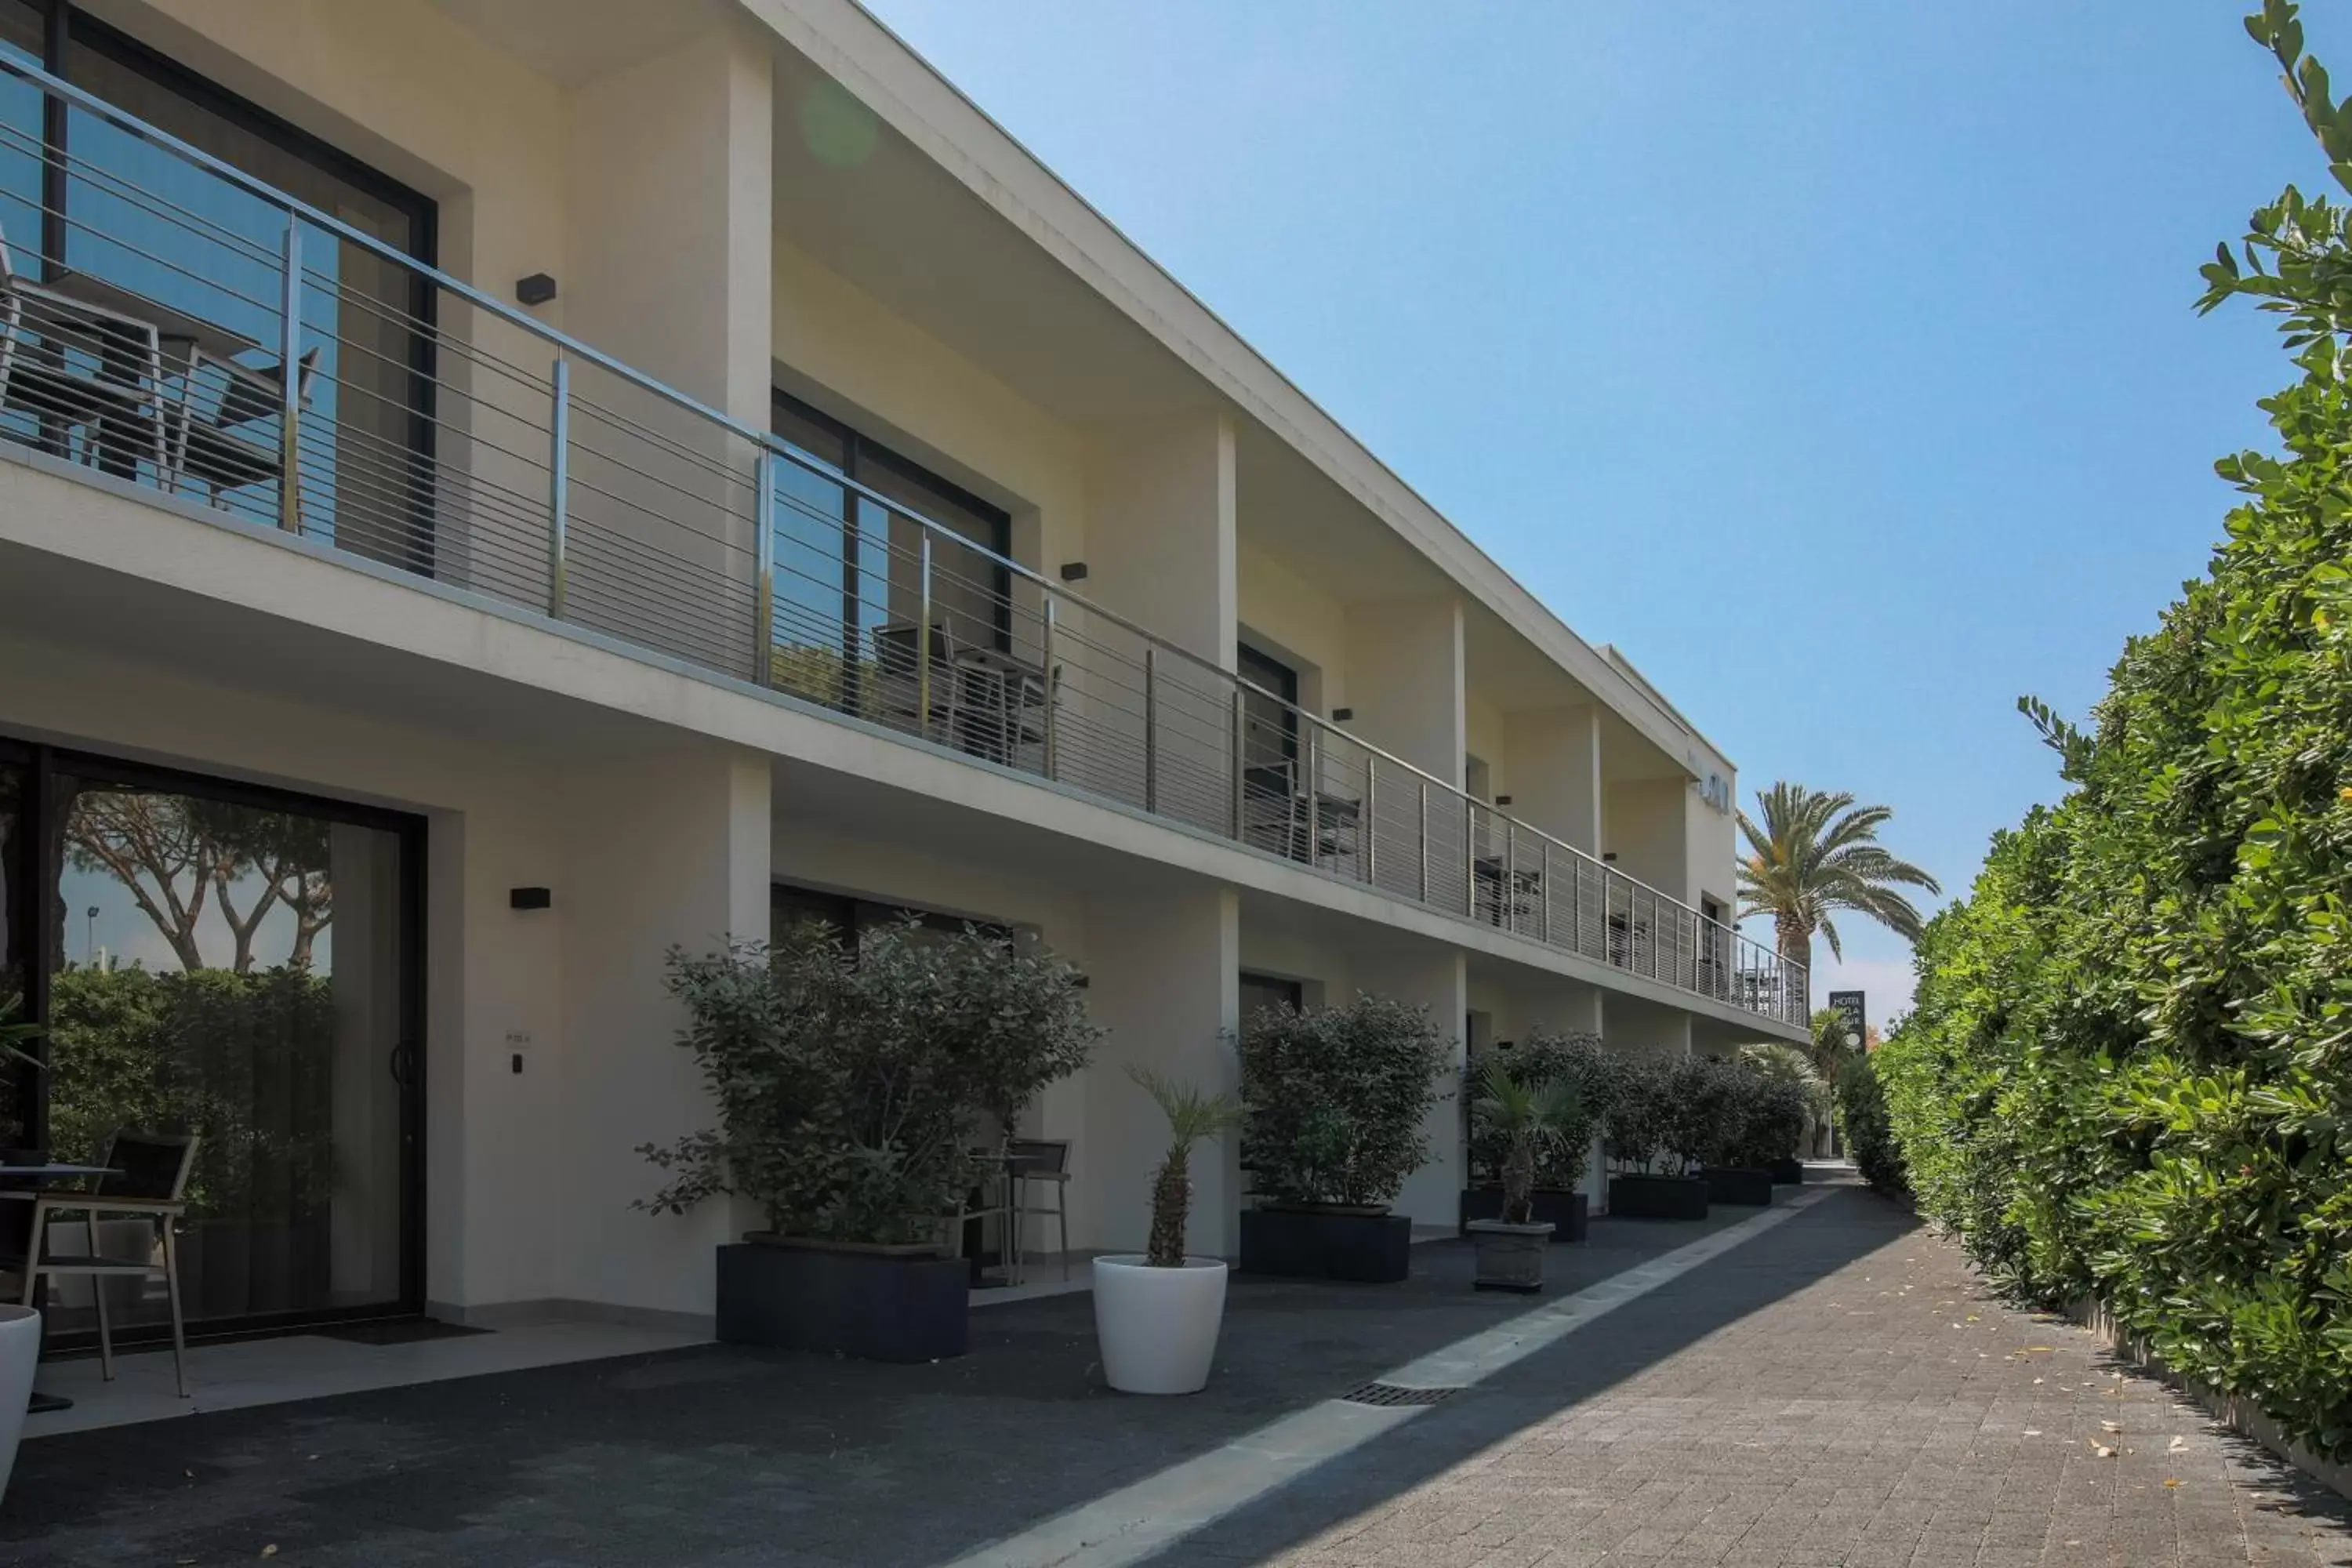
{"x":661,"y":371}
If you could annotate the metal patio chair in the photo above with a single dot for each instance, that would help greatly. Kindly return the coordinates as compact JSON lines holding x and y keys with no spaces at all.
{"x":1046,"y":1160}
{"x":74,"y":364}
{"x":213,"y":451}
{"x":152,"y":1186}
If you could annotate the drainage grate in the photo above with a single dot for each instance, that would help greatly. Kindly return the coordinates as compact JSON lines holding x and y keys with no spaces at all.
{"x":1391,"y":1393}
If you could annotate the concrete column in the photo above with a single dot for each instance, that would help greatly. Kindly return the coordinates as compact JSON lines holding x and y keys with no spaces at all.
{"x":661,"y":851}
{"x":1553,"y":757}
{"x":1405,"y":674}
{"x":671,"y":248}
{"x":670,"y":165}
{"x":1159,"y":530}
{"x":1405,"y":680}
{"x":1437,"y":979}
{"x":1163,"y":970}
{"x":1160,"y":549}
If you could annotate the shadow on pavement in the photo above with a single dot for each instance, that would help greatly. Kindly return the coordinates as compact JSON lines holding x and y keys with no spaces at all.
{"x":719,"y":1455}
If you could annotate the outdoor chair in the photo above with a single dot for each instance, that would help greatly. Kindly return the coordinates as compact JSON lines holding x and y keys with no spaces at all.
{"x":898,"y":686}
{"x":152,"y":1185}
{"x":215,"y":451}
{"x":1046,"y":1160}
{"x":73,"y":364}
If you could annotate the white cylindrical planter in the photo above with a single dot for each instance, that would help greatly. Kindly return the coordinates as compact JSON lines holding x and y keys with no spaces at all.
{"x":20,"y":1352}
{"x":1158,"y":1327}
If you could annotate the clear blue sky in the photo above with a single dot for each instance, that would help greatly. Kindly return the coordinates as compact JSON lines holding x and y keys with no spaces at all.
{"x":1836,"y":362}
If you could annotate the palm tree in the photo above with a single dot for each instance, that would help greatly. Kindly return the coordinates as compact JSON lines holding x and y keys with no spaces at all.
{"x":1817,"y":852}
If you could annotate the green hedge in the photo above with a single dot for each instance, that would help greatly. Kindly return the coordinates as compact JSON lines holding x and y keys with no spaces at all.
{"x":1869,"y":1130}
{"x":2128,"y":1071}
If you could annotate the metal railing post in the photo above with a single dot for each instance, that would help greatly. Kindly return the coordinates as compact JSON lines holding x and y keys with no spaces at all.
{"x":1511,"y":876}
{"x":1469,"y":857}
{"x":1241,"y":747}
{"x":1151,"y":729}
{"x":559,"y":485}
{"x":1368,"y":830}
{"x":1543,"y":877}
{"x":290,"y":396}
{"x":1314,"y":796}
{"x":1052,"y":690}
{"x":1424,"y":841}
{"x":763,"y":557}
{"x":923,"y":647}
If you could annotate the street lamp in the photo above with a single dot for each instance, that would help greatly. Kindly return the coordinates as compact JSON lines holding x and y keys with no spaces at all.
{"x":89,"y":939}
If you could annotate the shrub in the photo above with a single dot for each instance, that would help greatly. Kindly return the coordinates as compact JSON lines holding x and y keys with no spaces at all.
{"x":1775,"y":1112}
{"x":1338,"y":1099}
{"x":1578,"y":1060}
{"x":1790,"y":1065}
{"x":851,"y":1081}
{"x":1869,"y":1133}
{"x":1673,"y":1117}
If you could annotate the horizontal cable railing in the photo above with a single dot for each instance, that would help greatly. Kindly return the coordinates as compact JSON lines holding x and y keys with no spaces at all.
{"x":170,"y":320}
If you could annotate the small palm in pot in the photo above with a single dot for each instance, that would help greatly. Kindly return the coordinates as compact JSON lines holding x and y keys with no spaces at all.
{"x":1527,"y":1117}
{"x":1157,"y":1313}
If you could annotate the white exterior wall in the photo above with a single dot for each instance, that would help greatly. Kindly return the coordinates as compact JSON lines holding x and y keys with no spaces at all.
{"x":663,"y":850}
{"x":1292,"y":618}
{"x":1554,"y":756}
{"x":1439,"y":981}
{"x":1643,"y":824}
{"x":1164,"y":976}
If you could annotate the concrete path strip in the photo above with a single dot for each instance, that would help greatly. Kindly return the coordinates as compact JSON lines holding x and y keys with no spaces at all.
{"x":1132,"y":1524}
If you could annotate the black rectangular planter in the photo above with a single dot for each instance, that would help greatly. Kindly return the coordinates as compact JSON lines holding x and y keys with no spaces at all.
{"x":1639,"y":1196}
{"x":1564,"y":1212}
{"x":1739,"y":1186}
{"x":1788,"y":1173}
{"x":876,"y":1306}
{"x":1317,"y":1244}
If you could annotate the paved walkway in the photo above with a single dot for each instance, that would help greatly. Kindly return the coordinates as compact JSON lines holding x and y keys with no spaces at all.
{"x":1832,"y":1390}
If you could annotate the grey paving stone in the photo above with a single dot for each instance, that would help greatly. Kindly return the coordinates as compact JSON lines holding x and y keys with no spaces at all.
{"x":1838,"y":1393}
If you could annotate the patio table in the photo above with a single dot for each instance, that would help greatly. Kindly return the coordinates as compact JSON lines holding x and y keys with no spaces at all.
{"x":41,"y":1402}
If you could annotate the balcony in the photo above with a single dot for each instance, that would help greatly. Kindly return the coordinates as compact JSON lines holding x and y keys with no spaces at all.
{"x":192,"y":331}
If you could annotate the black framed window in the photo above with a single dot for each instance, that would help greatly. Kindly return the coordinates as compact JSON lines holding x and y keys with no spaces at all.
{"x":81,"y":196}
{"x":850,"y":917}
{"x":849,"y":568}
{"x":1261,"y":991}
{"x":1273,"y":726}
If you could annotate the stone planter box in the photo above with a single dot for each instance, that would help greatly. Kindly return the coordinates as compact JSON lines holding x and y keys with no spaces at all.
{"x":1510,"y":1257}
{"x":1640,"y":1195}
{"x":1327,"y":1244}
{"x":1734,"y":1185}
{"x":1788,"y":1173}
{"x":1566,"y":1213}
{"x":876,"y":1303}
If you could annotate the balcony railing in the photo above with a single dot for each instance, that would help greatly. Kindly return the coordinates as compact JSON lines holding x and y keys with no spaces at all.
{"x":205,"y":336}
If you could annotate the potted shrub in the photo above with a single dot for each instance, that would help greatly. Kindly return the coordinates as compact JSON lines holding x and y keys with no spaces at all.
{"x":1659,"y":1131}
{"x":1769,"y":1118}
{"x":1337,"y":1101}
{"x":1157,"y":1314}
{"x":850,"y":1084}
{"x":1789,"y":1068}
{"x":1527,"y":1116}
{"x":1578,"y":1060}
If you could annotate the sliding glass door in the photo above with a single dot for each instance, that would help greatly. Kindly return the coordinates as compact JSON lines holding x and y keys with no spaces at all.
{"x":239,"y":965}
